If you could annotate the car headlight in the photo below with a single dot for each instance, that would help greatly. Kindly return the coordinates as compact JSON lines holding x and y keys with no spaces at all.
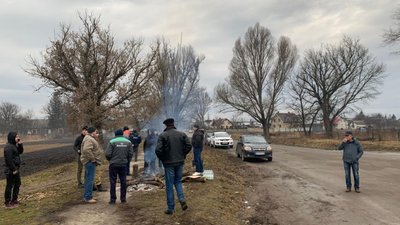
{"x":247,"y":148}
{"x":269,"y":148}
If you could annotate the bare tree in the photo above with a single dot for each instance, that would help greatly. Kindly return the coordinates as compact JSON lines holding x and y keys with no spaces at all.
{"x":303,"y":104}
{"x":258,"y":71}
{"x":336,"y":77}
{"x":202,"y":105}
{"x":392,"y":35}
{"x":177,"y":80}
{"x":9,"y":113}
{"x":95,"y":75}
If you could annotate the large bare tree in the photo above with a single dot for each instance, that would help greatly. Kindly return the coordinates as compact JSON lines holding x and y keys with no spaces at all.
{"x":258,"y":72}
{"x":392,"y":35}
{"x":338,"y":76}
{"x":177,"y":80}
{"x":303,"y":104}
{"x":96,"y":75}
{"x":202,"y":105}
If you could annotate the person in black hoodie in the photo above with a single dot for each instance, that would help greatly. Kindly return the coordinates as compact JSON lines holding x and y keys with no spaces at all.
{"x":12,"y":150}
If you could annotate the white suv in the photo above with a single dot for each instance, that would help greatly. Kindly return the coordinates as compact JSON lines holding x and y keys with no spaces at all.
{"x":221,"y":139}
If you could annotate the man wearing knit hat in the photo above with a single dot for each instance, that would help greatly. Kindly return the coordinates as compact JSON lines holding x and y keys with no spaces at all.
{"x":119,"y":152}
{"x":172,"y":148}
{"x":90,"y":158}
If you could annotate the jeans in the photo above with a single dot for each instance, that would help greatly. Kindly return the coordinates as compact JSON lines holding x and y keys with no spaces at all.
{"x":173,"y":177}
{"x":12,"y":187}
{"x":197,"y":159}
{"x":90,"y":173}
{"x":354,"y":167}
{"x":135,"y":152}
{"x":119,"y":171}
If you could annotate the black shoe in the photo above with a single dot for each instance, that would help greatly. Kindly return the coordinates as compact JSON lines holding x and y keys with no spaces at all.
{"x":112,"y":202}
{"x":357,"y":190}
{"x":94,"y":188}
{"x":123,"y":201}
{"x":168,"y":212}
{"x":184,"y":206}
{"x":100,"y":188}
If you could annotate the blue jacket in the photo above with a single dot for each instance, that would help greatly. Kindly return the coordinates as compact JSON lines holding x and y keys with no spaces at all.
{"x":352,"y":150}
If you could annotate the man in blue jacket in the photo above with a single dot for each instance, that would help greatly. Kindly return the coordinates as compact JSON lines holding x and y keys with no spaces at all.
{"x":352,"y":152}
{"x":119,"y":152}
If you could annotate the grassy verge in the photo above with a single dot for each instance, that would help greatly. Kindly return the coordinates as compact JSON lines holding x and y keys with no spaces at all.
{"x":331,"y":144}
{"x":41,"y":194}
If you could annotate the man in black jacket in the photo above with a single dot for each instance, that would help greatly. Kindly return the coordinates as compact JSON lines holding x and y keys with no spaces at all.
{"x":77,"y":148}
{"x":12,"y":150}
{"x":172,"y":148}
{"x":197,"y":143}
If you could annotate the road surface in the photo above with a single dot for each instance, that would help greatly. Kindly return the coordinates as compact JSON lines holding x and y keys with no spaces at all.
{"x":307,"y":186}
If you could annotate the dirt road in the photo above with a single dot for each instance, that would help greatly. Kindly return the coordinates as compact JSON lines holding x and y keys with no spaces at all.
{"x":306,"y":186}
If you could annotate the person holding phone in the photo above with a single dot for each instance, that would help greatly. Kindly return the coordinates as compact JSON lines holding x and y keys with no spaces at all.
{"x":12,"y":150}
{"x":352,"y":152}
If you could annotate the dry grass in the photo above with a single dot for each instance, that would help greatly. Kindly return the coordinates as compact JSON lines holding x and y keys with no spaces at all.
{"x":41,"y":194}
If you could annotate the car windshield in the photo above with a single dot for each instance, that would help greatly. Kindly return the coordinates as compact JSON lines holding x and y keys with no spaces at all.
{"x":254,"y":139}
{"x":221,"y":135}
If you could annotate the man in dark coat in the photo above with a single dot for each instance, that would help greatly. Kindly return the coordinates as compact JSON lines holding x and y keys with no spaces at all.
{"x":197,"y":143}
{"x":77,"y":148}
{"x":352,"y":152}
{"x":172,"y":148}
{"x":12,"y":150}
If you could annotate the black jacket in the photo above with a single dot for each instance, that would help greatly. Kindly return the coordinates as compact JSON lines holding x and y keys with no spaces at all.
{"x":172,"y":147}
{"x":78,"y":143}
{"x":198,"y":138}
{"x":12,"y":150}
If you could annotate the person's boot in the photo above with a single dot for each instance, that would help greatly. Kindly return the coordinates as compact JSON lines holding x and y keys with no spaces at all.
{"x":100,"y":188}
{"x":184,"y":205}
{"x":94,"y":188}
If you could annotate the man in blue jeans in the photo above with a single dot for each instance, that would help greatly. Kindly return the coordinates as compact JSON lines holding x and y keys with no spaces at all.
{"x":172,"y":148}
{"x":197,"y":143}
{"x":91,"y":153}
{"x":352,"y":152}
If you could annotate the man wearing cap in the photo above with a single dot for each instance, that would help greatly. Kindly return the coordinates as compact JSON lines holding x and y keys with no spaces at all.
{"x":197,"y":143}
{"x":90,"y":158}
{"x":352,"y":152}
{"x":119,"y":152}
{"x":77,"y":148}
{"x":172,"y":148}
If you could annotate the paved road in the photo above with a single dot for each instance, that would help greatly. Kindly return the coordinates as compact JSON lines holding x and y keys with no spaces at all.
{"x":306,"y":186}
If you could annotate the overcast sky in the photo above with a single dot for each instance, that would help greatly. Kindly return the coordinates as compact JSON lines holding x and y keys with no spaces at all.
{"x":210,"y":26}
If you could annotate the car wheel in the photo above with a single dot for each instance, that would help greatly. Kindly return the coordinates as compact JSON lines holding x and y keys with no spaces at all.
{"x":243,"y":158}
{"x":270,"y":159}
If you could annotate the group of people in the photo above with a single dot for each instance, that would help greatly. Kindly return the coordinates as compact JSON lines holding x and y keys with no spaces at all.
{"x":171,"y":148}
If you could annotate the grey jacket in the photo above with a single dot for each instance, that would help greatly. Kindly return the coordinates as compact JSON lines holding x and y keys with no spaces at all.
{"x":119,"y":151}
{"x":352,"y":151}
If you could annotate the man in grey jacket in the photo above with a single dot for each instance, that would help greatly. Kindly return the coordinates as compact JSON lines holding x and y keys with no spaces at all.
{"x":119,"y":152}
{"x":352,"y":152}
